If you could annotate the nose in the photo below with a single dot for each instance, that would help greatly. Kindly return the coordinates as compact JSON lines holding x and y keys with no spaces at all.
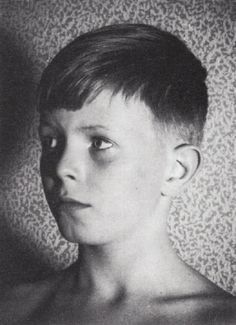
{"x":71,"y":166}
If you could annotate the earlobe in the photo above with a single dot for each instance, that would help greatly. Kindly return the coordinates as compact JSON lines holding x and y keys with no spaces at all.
{"x":184,"y":162}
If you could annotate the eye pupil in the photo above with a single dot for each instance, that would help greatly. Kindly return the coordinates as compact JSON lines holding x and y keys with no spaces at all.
{"x":97,"y":143}
{"x":101,"y":144}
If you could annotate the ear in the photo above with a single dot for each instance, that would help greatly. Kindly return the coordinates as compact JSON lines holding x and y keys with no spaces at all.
{"x":184,"y":161}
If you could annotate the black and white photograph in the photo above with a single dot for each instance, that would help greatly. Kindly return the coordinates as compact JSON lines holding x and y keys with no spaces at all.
{"x":117,"y":162}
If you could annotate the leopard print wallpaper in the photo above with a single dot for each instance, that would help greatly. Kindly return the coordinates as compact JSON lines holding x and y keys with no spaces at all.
{"x":201,"y":224}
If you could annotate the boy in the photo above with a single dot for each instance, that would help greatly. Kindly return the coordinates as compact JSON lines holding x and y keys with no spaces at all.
{"x":122,"y":111}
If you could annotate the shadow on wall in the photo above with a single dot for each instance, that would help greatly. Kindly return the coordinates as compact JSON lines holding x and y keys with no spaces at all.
{"x":16,"y":97}
{"x":17,"y":89}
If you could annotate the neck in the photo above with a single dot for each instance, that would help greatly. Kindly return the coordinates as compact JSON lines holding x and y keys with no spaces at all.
{"x":138,"y":264}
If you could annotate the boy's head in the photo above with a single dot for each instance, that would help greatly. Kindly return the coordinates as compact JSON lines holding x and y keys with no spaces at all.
{"x":133,"y":59}
{"x":122,"y":109}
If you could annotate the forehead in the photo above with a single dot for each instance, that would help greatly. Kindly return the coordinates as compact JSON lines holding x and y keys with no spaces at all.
{"x":107,"y":110}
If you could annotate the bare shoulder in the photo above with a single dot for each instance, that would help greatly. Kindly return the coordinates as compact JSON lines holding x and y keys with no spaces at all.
{"x":27,"y":302}
{"x":216,"y":305}
{"x":197,"y":301}
{"x":208,"y":305}
{"x":198,"y":310}
{"x":19,"y":301}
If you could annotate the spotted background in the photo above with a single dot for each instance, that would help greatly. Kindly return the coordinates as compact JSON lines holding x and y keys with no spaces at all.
{"x":202,"y":218}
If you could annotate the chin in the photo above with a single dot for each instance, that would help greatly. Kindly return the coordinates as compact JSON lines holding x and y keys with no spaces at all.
{"x":80,"y":234}
{"x":68,"y":232}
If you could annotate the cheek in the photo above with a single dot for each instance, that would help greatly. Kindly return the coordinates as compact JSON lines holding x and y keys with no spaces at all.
{"x":48,"y":183}
{"x":147,"y":184}
{"x":130,"y":187}
{"x":47,"y":177}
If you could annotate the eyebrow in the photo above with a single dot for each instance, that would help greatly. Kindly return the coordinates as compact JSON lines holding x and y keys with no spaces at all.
{"x":92,"y":127}
{"x":85,"y":128}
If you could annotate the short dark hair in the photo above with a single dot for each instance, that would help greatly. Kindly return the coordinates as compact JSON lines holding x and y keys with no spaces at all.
{"x":134,"y":59}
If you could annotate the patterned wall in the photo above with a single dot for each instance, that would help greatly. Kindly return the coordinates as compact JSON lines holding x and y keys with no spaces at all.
{"x":202,"y":218}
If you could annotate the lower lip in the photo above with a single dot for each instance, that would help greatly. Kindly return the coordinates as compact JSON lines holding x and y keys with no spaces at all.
{"x":72,"y":206}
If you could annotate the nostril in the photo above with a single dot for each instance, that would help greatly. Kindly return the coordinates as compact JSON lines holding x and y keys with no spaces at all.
{"x":71,"y":177}
{"x":65,"y":170}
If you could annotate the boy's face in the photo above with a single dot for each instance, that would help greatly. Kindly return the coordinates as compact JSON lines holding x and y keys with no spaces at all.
{"x":102,"y":168}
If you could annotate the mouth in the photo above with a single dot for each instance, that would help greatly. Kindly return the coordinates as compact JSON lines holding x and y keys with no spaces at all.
{"x":70,"y":203}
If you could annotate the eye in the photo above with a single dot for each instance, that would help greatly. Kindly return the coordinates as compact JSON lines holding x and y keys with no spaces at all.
{"x":49,"y":142}
{"x":101,"y":144}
